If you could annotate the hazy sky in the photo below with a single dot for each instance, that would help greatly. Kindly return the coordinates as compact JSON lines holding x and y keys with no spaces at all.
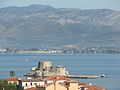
{"x":82,"y":4}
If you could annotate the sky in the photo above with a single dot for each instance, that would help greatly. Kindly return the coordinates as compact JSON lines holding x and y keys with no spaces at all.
{"x":81,"y":4}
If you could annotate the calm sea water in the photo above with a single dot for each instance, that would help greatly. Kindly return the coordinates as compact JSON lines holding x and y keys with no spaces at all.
{"x":86,"y":64}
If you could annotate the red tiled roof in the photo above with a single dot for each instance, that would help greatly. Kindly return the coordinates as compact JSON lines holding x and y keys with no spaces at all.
{"x":39,"y":79}
{"x":31,"y":80}
{"x":33,"y":88}
{"x":94,"y":87}
{"x":82,"y":83}
{"x":11,"y":79}
{"x":57,"y":78}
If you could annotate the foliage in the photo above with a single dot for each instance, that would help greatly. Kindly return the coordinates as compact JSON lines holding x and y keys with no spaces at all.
{"x":4,"y":85}
{"x":12,"y":73}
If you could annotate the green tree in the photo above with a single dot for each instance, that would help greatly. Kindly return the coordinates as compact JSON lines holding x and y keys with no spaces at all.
{"x":12,"y":73}
{"x":4,"y":85}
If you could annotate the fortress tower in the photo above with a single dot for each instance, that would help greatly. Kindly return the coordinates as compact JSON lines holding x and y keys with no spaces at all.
{"x":44,"y":64}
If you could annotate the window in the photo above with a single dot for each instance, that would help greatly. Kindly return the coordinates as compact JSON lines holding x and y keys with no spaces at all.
{"x":31,"y":83}
{"x":35,"y":83}
{"x":26,"y":84}
{"x":82,"y":88}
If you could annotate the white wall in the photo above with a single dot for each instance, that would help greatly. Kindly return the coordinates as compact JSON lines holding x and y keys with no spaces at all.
{"x":32,"y":84}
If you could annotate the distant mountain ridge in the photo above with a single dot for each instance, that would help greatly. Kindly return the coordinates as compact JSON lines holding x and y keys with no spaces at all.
{"x":37,"y":26}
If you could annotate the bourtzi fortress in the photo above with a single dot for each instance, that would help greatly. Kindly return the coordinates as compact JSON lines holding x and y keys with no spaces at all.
{"x":46,"y":69}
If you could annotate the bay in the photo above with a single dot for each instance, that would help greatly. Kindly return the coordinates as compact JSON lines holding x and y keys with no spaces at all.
{"x":77,"y":64}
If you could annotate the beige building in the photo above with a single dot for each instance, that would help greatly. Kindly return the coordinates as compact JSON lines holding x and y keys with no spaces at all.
{"x":60,"y":83}
{"x":61,"y":86}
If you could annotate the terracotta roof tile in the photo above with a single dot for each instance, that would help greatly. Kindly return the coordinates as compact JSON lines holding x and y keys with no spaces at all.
{"x":82,"y":83}
{"x":94,"y":87}
{"x":11,"y":79}
{"x":57,"y":78}
{"x":33,"y":88}
{"x":31,"y":80}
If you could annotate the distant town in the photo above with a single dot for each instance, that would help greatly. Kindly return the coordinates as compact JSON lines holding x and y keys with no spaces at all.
{"x":86,"y":50}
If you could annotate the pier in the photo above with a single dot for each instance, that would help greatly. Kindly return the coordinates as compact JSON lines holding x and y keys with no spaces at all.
{"x":86,"y":77}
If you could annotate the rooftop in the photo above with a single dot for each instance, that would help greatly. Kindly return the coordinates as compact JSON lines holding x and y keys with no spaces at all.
{"x":33,"y":88}
{"x":57,"y":78}
{"x":82,"y":83}
{"x":11,"y":79}
{"x":31,"y":80}
{"x":94,"y":87}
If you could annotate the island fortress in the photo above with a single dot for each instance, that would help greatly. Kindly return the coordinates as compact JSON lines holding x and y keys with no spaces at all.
{"x":45,"y":69}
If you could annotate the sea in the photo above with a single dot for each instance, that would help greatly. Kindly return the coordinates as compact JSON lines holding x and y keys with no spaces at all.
{"x":76,"y":64}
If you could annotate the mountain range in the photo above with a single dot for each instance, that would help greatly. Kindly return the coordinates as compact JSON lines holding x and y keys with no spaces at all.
{"x":38,"y":26}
